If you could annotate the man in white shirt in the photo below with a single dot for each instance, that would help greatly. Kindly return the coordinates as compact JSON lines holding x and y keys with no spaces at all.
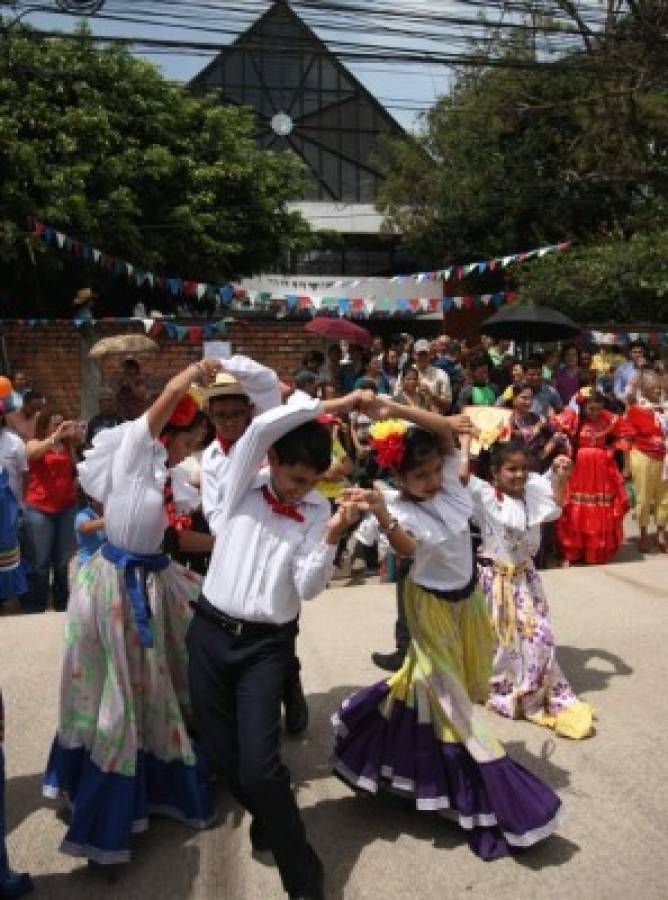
{"x":12,"y":456}
{"x":306,"y":387}
{"x":275,"y":546}
{"x":435,"y":379}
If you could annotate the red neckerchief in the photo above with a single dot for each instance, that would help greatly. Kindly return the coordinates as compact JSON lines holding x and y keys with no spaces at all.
{"x":225,"y":443}
{"x":281,"y":509}
{"x":179,"y":522}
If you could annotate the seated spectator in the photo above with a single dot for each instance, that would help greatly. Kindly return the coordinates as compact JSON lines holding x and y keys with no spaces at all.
{"x":89,"y":530}
{"x":541,"y":437}
{"x":566,"y":378}
{"x":431,"y":377}
{"x":413,"y":393}
{"x":479,"y":392}
{"x":306,"y":387}
{"x":132,"y":393}
{"x":391,"y":368}
{"x":107,"y":417}
{"x":23,"y":421}
{"x":638,"y":357}
{"x":374,"y":372}
{"x":352,"y":369}
{"x":546,"y":399}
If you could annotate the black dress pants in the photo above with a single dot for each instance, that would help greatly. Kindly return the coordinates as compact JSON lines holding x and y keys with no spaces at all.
{"x":236,"y":686}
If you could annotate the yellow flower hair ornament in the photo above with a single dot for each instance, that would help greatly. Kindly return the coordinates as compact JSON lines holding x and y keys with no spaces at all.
{"x":388,"y":439}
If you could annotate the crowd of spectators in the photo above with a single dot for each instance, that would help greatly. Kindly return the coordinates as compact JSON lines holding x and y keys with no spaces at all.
{"x":575,"y":400}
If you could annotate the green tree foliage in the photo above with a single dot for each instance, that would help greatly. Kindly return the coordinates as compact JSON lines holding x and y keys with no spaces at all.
{"x":611,"y":281}
{"x":97,"y":143}
{"x":519,"y":154}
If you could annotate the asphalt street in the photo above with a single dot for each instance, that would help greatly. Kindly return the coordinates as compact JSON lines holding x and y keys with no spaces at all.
{"x":612,"y":628}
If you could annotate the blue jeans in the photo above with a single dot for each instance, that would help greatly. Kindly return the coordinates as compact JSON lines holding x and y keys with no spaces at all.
{"x":52,"y":538}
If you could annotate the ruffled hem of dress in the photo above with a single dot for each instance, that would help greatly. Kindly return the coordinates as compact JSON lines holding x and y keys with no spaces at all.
{"x":108,"y":808}
{"x":501,"y":804}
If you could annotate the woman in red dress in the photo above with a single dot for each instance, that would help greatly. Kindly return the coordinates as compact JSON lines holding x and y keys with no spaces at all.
{"x":591,"y":524}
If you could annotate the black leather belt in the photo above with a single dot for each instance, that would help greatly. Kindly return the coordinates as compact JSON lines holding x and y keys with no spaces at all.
{"x":238,"y":627}
{"x":456,"y":595}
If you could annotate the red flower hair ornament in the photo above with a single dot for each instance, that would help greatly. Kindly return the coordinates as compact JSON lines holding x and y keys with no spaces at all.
{"x":388,"y":439}
{"x":185,"y":412}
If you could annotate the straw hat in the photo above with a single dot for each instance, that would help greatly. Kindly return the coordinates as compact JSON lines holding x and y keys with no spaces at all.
{"x":84,"y":295}
{"x":225,"y":385}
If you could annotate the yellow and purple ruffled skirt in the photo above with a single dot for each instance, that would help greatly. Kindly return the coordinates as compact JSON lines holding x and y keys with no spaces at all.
{"x":420,"y":735}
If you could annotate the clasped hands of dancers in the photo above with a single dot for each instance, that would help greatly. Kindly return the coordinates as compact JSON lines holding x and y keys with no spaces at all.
{"x":166,"y":678}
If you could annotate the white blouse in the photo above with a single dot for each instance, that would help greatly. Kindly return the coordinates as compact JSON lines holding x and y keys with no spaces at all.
{"x":126,"y":470}
{"x":443,"y":557}
{"x":511,"y":528}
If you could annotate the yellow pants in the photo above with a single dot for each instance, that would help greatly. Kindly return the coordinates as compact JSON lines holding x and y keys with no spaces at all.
{"x":649,"y":489}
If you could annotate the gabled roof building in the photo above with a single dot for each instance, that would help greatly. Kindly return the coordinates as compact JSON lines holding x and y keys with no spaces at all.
{"x":307,"y":102}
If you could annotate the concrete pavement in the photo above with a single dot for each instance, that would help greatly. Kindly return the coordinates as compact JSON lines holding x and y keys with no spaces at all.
{"x":612,"y":627}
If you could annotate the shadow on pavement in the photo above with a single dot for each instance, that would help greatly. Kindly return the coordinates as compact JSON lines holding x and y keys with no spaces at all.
{"x":590,"y":668}
{"x":23,"y":797}
{"x":308,"y":757}
{"x":163,"y":856}
{"x":341,"y":828}
{"x":164,"y":867}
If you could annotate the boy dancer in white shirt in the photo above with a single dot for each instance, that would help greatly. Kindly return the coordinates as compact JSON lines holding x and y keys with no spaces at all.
{"x":275,"y":546}
{"x":245,"y":389}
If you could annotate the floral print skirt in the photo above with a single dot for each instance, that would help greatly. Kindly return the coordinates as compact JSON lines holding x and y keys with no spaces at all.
{"x":124,"y":748}
{"x":527,"y":681}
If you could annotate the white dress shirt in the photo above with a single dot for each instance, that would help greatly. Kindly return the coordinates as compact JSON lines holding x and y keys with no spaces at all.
{"x":126,"y":470}
{"x":264,"y":564}
{"x":13,"y":459}
{"x":262,"y":387}
{"x":443,"y":557}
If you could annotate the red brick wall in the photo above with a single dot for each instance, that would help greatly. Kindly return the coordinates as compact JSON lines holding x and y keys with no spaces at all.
{"x":51,"y":354}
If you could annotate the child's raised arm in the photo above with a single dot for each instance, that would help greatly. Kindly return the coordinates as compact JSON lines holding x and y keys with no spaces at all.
{"x":442,"y":427}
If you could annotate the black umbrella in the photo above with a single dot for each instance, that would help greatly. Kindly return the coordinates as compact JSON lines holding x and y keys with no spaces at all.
{"x":529,"y":323}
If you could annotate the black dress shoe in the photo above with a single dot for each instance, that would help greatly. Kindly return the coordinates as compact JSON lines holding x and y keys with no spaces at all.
{"x":390,"y":662}
{"x":296,"y":708}
{"x":314,"y":884}
{"x":258,"y":836}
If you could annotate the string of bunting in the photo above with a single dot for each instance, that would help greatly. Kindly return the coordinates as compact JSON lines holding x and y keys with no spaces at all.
{"x":194,"y":334}
{"x":624,"y":338}
{"x":484,"y":265}
{"x":223,"y":295}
